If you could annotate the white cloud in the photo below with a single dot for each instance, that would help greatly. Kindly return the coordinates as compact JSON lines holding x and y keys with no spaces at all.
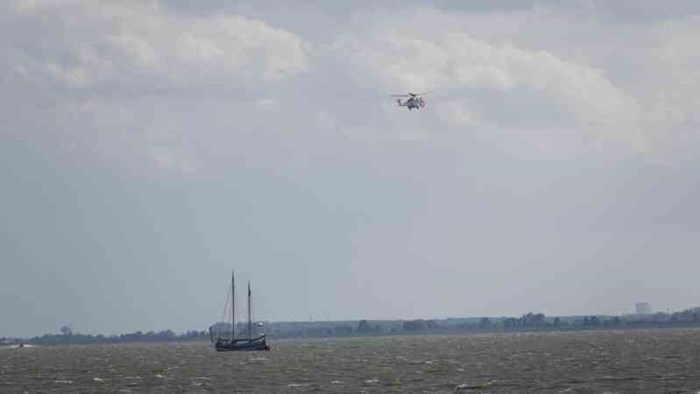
{"x":553,"y":74}
{"x":139,"y":72}
{"x":119,"y":74}
{"x":456,"y":63}
{"x":85,"y":44}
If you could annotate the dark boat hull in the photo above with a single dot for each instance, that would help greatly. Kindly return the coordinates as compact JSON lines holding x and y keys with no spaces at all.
{"x":242,"y":345}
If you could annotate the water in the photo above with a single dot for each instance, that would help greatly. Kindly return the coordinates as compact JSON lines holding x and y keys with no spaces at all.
{"x":600,"y":361}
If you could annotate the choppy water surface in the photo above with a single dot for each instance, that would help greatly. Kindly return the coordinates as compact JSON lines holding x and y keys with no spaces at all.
{"x":602,"y":361}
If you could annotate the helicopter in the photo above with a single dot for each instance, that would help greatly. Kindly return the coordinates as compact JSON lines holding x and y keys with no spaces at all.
{"x":414,"y":100}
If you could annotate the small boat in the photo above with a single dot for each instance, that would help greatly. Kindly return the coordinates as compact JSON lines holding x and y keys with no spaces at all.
{"x":223,"y":344}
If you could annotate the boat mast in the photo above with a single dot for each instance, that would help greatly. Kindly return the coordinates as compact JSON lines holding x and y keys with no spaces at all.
{"x":233,"y":305}
{"x":250,"y":330}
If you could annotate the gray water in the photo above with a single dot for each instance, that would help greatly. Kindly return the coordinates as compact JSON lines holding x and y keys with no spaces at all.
{"x":597,"y":361}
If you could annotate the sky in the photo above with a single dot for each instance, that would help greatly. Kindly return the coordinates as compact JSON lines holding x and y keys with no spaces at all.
{"x":148,"y":148}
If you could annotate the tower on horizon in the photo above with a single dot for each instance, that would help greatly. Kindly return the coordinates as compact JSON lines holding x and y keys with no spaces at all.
{"x":642,"y":308}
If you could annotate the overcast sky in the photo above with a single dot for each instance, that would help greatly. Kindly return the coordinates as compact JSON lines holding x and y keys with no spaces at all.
{"x":147,"y":148}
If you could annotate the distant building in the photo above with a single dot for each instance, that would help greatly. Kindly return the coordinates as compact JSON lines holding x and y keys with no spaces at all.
{"x":642,"y":308}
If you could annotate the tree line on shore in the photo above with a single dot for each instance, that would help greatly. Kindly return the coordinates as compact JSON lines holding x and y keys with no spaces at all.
{"x":527,"y":322}
{"x":67,"y":336}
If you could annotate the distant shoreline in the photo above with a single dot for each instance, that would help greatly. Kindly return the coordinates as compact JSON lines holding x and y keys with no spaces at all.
{"x":32,"y":344}
{"x":530,"y":322}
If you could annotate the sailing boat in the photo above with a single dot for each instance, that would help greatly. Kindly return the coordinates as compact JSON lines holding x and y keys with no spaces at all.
{"x":225,"y":344}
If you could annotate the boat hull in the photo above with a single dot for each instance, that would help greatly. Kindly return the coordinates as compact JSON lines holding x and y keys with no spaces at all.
{"x":242,"y":345}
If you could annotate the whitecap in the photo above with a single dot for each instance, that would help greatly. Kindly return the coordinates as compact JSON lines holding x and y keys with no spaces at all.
{"x":16,"y":346}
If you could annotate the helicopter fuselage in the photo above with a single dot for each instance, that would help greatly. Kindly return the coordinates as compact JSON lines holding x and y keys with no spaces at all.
{"x":412,"y":103}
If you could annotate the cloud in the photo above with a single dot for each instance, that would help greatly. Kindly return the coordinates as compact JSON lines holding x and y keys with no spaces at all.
{"x":457,"y":64}
{"x":151,"y":75}
{"x":570,"y":75}
{"x":87,"y":45}
{"x":113,"y":73}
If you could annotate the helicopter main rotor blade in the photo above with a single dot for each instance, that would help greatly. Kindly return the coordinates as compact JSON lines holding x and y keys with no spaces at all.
{"x":399,"y":95}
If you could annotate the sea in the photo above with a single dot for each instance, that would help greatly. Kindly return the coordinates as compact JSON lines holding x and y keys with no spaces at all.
{"x":624,"y":361}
